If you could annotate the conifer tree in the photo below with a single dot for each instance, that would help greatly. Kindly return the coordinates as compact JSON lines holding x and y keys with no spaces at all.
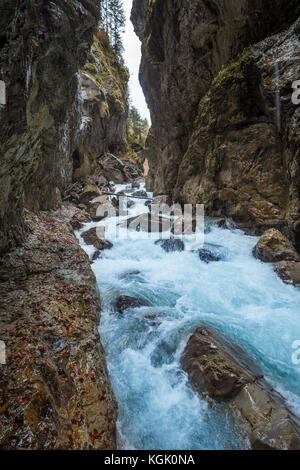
{"x":113,"y":21}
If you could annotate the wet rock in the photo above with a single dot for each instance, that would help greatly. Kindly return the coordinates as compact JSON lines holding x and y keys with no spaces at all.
{"x":141,"y":194}
{"x":97,"y":255}
{"x":274,"y":247}
{"x":101,"y":207}
{"x":76,"y":216}
{"x":147,"y":223}
{"x":184,"y":226}
{"x":220,"y":222}
{"x":289,"y":271}
{"x":225,"y":373}
{"x":119,"y":171}
{"x":222,"y":148}
{"x":148,"y":203}
{"x":89,"y":193}
{"x":130,"y":203}
{"x":156,"y":316}
{"x":210,"y":253}
{"x":55,"y":382}
{"x":125,"y":302}
{"x":115,"y":202}
{"x":171,"y":245}
{"x":128,"y":275}
{"x":136,"y":185}
{"x":91,"y":238}
{"x":214,"y":366}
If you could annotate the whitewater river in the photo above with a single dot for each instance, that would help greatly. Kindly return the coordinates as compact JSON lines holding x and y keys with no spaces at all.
{"x":239,"y":295}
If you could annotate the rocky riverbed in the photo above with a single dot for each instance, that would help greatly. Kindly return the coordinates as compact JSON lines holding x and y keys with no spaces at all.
{"x":198,"y":342}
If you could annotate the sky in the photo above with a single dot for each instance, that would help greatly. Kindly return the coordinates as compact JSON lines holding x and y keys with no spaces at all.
{"x":132,"y":57}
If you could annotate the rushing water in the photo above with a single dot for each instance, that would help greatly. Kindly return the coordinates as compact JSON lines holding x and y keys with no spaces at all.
{"x":240,"y":296}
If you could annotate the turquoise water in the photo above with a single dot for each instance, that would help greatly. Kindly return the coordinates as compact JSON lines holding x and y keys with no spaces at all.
{"x":240,"y":296}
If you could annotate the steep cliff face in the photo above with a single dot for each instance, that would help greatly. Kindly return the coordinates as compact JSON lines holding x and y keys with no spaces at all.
{"x":54,"y":388}
{"x":66,"y":104}
{"x":42,"y":46}
{"x":103,"y":106}
{"x":210,"y":77}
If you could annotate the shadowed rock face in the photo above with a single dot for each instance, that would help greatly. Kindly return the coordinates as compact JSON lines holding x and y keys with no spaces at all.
{"x":66,"y":104}
{"x":224,"y":372}
{"x":208,"y":73}
{"x":43,"y":44}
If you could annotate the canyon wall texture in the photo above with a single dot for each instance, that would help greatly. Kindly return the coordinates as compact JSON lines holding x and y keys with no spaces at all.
{"x":66,"y":105}
{"x":211,"y":71}
{"x":62,"y":93}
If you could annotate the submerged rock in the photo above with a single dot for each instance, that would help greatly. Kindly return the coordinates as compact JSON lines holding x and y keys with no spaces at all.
{"x":141,"y":194}
{"x":125,"y":302}
{"x":225,"y":373}
{"x":129,"y":274}
{"x":130,"y":203}
{"x":170,"y":245}
{"x":210,"y":253}
{"x":91,"y":238}
{"x":273,"y":247}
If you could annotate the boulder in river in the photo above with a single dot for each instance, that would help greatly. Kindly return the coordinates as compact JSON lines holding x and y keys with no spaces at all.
{"x":289,"y":271}
{"x":225,"y":373}
{"x":141,"y":194}
{"x":273,"y":246}
{"x":147,"y":223}
{"x":130,"y":203}
{"x":210,"y":253}
{"x":125,"y":302}
{"x":170,"y":245}
{"x":129,"y":275}
{"x":91,"y":238}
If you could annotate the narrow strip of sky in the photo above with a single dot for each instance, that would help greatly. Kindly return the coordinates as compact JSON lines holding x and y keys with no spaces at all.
{"x":132,"y":57}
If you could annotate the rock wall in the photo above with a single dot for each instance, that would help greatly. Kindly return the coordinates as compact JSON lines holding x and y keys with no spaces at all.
{"x":209,"y":75}
{"x":66,"y":92}
{"x":103,"y":104}
{"x":66,"y":105}
{"x":54,"y":389}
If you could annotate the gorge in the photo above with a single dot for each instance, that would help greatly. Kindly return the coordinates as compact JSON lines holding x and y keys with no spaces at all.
{"x":132,"y":342}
